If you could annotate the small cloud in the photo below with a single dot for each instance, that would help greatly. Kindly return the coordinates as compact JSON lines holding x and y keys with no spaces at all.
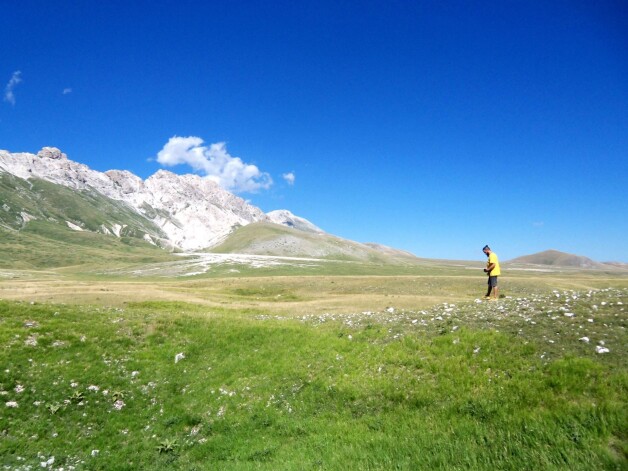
{"x":215,"y":163}
{"x":538,"y":224}
{"x":289,"y":177}
{"x":9,"y":96}
{"x":66,"y":91}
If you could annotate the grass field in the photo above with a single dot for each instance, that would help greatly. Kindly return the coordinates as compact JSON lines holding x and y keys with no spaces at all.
{"x":298,"y":370}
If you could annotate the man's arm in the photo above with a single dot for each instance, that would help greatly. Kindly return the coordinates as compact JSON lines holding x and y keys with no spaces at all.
{"x":489,"y":268}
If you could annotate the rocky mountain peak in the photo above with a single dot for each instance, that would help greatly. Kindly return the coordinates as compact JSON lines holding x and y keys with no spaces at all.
{"x":51,"y":153}
{"x":192,"y":211}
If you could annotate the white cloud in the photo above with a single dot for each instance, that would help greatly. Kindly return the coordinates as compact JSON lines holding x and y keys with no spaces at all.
{"x":8,"y":91}
{"x":66,"y":91}
{"x":215,"y":163}
{"x":289,"y":177}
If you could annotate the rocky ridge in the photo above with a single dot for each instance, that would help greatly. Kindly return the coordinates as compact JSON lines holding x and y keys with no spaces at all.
{"x":193,"y":212}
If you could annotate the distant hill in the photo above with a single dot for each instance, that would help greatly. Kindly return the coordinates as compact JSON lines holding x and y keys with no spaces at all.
{"x":621,"y":265}
{"x":263,"y":238}
{"x":556,"y":258}
{"x":390,"y":250}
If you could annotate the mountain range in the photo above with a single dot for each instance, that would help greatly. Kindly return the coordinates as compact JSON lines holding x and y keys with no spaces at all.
{"x":51,"y":195}
{"x":49,"y":205}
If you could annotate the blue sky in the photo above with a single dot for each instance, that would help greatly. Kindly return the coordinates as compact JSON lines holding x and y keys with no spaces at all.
{"x":434,"y":127}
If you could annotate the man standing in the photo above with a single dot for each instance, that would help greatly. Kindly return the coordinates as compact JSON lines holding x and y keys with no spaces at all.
{"x":493,"y":271}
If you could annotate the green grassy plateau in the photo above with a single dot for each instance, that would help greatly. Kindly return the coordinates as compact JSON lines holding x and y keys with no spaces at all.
{"x":313,"y":369}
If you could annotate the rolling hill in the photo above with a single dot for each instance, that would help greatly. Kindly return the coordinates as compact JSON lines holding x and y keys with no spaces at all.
{"x":264,"y":238}
{"x":556,"y":258}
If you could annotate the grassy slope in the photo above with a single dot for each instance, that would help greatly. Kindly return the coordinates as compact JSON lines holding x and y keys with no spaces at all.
{"x":56,"y":203}
{"x":47,"y":241}
{"x":558,"y":259}
{"x":274,"y":239}
{"x":452,"y":387}
{"x":42,"y":244}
